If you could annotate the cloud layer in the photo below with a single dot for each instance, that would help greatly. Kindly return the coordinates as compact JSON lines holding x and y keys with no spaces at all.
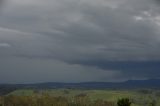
{"x":90,"y":40}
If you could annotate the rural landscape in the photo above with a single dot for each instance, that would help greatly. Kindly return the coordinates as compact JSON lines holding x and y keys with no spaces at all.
{"x":79,"y":52}
{"x":82,"y":94}
{"x":72,"y":97}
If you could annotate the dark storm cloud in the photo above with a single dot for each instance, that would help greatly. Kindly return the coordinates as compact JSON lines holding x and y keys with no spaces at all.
{"x":94,"y":40}
{"x":129,"y":68}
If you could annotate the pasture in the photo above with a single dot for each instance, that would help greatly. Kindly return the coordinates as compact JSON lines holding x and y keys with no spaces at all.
{"x":138,"y":97}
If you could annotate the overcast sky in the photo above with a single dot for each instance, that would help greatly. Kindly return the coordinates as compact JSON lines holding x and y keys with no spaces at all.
{"x":79,"y":40}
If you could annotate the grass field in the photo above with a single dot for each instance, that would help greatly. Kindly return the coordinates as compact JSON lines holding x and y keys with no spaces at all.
{"x":138,"y":97}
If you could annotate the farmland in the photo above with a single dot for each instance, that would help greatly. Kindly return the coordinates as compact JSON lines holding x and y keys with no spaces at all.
{"x":141,"y":97}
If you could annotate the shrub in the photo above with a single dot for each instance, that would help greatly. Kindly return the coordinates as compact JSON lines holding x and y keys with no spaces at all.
{"x":124,"y":102}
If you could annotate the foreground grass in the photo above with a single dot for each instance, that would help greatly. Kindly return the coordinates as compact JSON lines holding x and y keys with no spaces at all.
{"x":138,"y":97}
{"x":45,"y":99}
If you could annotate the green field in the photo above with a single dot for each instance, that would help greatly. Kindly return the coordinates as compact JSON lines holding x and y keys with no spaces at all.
{"x":138,"y":97}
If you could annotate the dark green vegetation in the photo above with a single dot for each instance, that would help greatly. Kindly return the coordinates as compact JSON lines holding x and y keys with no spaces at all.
{"x":81,"y":97}
{"x":124,"y":102}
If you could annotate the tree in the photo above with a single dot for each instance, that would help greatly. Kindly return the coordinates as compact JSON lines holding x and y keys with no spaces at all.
{"x":124,"y":102}
{"x":153,"y":103}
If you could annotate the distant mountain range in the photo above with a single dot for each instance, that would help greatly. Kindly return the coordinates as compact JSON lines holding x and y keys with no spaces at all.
{"x":130,"y":84}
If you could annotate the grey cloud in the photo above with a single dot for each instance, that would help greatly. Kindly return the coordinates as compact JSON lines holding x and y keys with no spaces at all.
{"x":4,"y":45}
{"x":23,"y":70}
{"x":100,"y":34}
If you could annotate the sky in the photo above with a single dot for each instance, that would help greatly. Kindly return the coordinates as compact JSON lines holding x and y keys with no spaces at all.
{"x":79,"y":40}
